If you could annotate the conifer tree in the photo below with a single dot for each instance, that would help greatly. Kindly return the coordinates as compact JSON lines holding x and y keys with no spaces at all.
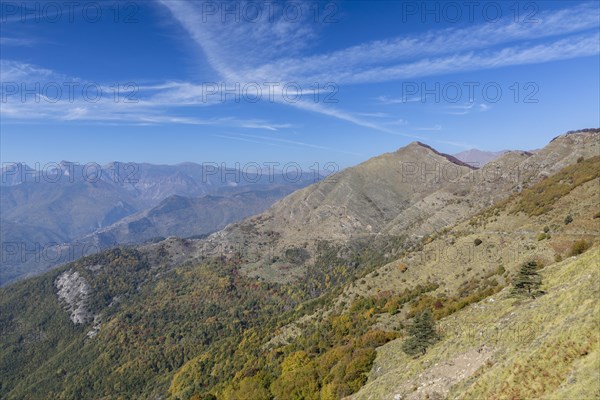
{"x":422,"y":334}
{"x":528,"y":281}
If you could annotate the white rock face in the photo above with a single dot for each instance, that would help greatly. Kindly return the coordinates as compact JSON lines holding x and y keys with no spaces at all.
{"x":95,"y":329}
{"x":74,"y":291}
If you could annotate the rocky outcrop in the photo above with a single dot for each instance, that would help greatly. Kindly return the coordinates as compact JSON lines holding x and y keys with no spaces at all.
{"x":74,"y":291}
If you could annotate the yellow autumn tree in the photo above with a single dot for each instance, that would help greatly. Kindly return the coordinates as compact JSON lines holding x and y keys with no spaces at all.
{"x":298,"y":379}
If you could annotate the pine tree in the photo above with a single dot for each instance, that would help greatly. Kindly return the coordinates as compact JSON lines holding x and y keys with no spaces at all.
{"x":528,"y":281}
{"x":422,"y":334}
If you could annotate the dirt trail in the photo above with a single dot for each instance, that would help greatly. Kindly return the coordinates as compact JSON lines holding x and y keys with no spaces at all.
{"x":435,"y":382}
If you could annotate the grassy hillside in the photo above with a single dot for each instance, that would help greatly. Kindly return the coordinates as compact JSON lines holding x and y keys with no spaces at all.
{"x":461,"y":267}
{"x":493,"y":345}
{"x":507,"y":348}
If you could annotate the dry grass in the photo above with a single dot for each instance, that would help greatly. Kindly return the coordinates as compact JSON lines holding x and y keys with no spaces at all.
{"x":543,"y":348}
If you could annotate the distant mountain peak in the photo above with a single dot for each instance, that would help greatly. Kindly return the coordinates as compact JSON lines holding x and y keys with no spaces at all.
{"x":479,"y":158}
{"x":452,"y":159}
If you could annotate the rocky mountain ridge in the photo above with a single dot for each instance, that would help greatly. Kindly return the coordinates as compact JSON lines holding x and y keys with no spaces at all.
{"x":412,"y":192}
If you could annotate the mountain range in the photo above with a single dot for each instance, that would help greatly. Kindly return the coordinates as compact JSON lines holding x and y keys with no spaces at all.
{"x":313,"y":298}
{"x":409,"y":193}
{"x":54,"y":213}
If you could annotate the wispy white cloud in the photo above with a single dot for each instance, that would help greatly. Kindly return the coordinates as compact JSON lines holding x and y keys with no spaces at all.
{"x":452,"y":50}
{"x":464,"y":109}
{"x":387,"y":100}
{"x":268,"y":54}
{"x":243,"y":139}
{"x":15,"y":71}
{"x":263,"y":125}
{"x":460,"y":110}
{"x":349,"y":117}
{"x":226,"y":44}
{"x":436,"y":127}
{"x":278,"y":51}
{"x":572,"y":47}
{"x":153,"y":105}
{"x":277,"y":141}
{"x":16,"y":42}
{"x":396,"y":122}
{"x":374,"y":114}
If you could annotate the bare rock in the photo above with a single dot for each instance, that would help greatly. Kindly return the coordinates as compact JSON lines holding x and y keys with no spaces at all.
{"x":74,"y":291}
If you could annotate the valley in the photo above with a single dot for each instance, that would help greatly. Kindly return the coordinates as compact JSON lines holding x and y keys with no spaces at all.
{"x":56,"y":214}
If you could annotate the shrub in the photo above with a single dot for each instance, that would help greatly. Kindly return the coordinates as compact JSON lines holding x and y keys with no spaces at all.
{"x":541,"y":236}
{"x":477,"y":242}
{"x":579,"y":247}
{"x":296,"y":255}
{"x":568,"y":219}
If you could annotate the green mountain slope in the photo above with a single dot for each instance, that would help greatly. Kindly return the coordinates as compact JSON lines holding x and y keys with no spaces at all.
{"x":124,"y":322}
{"x":166,"y":321}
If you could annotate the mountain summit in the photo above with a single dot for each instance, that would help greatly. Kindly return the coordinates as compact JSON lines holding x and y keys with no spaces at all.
{"x":403,"y":195}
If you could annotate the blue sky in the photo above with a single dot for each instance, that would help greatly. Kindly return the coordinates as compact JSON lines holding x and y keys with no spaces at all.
{"x":340,"y":81}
